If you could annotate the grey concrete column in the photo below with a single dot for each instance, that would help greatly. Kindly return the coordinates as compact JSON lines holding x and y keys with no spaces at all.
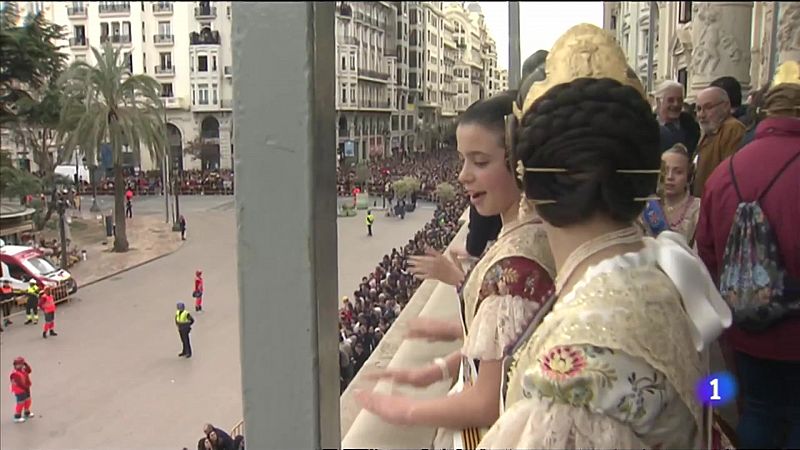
{"x":721,"y":41}
{"x":514,"y":57}
{"x":283,"y":56}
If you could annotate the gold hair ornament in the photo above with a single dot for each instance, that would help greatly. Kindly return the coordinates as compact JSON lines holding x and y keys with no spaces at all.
{"x":787,"y":72}
{"x":584,"y":51}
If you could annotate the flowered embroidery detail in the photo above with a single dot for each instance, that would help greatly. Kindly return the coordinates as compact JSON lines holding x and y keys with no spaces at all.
{"x":563,"y":362}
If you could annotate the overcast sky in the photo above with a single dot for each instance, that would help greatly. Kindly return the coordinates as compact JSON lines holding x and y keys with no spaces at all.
{"x":540,"y":23}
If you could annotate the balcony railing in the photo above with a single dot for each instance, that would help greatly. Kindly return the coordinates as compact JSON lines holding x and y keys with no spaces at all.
{"x":228,"y":71}
{"x":206,"y":37}
{"x":164,"y":38}
{"x":225,"y":103}
{"x":76,"y":11}
{"x":375,"y":104}
{"x":164,"y":70}
{"x":205,"y":12}
{"x":373,"y":74}
{"x":112,"y":8}
{"x":116,"y":39}
{"x":351,"y":40}
{"x":78,"y":42}
{"x":162,"y":7}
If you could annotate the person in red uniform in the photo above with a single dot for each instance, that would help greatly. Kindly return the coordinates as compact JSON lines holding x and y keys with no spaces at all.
{"x":198,"y":291}
{"x":21,"y":388}
{"x":129,"y":203}
{"x":48,"y":305}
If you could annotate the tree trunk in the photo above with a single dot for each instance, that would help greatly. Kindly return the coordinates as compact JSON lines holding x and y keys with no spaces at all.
{"x":121,"y":235}
{"x":51,"y":206}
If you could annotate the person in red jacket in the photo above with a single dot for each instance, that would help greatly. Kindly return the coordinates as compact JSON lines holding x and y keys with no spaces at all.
{"x":21,"y":388}
{"x":766,"y":170}
{"x":198,"y":291}
{"x":48,"y":305}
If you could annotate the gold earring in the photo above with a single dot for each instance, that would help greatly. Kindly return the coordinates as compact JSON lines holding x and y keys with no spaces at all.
{"x":520,"y":171}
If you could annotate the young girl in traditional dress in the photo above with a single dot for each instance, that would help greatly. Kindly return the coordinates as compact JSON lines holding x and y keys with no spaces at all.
{"x":499,"y":298}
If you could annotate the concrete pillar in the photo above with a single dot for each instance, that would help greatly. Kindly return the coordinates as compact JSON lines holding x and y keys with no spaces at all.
{"x":283,"y":56}
{"x":721,"y":43}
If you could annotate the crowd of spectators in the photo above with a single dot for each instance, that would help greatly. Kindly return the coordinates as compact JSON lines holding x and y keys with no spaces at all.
{"x":193,"y":182}
{"x":382,"y":294}
{"x":430,"y":168}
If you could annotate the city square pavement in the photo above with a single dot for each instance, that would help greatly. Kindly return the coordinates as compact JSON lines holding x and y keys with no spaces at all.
{"x":112,"y":378}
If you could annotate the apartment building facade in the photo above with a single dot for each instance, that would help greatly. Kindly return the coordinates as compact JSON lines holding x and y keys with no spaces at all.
{"x":401,"y":68}
{"x":185,"y":46}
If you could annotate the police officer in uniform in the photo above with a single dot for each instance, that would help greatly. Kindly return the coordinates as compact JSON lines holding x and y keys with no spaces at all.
{"x":370,"y":221}
{"x":32,"y":305}
{"x":184,"y":321}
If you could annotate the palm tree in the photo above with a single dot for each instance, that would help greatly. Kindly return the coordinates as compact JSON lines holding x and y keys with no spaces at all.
{"x":105,"y":103}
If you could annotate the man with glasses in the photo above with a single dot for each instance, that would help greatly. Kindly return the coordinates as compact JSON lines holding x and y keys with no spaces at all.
{"x":721,"y":134}
{"x":677,"y":126}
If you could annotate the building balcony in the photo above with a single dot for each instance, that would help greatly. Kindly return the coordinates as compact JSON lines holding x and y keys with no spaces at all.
{"x":78,"y":42}
{"x":228,"y":71}
{"x":116,"y":39}
{"x":349,"y":40}
{"x":373,"y":75}
{"x":163,"y":39}
{"x":77,"y":12}
{"x":226,"y":104}
{"x":206,"y":37}
{"x":209,"y":12}
{"x":374,"y":105}
{"x":174,"y":102}
{"x":206,"y":107}
{"x":115,"y":8}
{"x":164,"y":70}
{"x":162,"y":8}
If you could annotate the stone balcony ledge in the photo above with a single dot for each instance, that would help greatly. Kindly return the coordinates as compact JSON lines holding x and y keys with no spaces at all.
{"x":361,"y":429}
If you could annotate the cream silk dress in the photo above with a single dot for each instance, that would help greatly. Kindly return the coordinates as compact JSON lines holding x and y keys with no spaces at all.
{"x":614,"y":364}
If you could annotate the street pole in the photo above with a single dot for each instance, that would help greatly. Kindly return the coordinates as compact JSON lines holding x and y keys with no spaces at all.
{"x":62,"y":230}
{"x":176,"y":226}
{"x":515,"y":66}
{"x":651,"y":45}
{"x":93,"y":179}
{"x":165,"y":186}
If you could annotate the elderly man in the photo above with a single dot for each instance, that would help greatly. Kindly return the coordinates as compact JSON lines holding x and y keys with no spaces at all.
{"x":677,"y":126}
{"x":721,"y":134}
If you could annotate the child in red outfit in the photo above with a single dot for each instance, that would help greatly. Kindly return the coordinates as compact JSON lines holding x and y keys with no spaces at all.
{"x":48,"y":305}
{"x":198,"y":291}
{"x":21,"y":388}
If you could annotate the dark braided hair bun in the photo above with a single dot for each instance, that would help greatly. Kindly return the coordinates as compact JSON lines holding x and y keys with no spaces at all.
{"x":591,"y":127}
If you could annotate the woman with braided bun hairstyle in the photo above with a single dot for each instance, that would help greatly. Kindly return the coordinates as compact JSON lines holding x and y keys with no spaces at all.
{"x":616,"y":358}
{"x":498,"y":298}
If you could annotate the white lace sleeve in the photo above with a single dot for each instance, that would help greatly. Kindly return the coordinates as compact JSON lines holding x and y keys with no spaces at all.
{"x":497,"y":325}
